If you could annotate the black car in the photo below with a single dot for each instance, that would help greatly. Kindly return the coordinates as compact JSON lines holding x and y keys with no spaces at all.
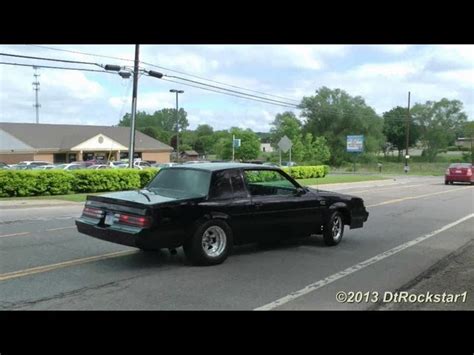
{"x":207,"y":208}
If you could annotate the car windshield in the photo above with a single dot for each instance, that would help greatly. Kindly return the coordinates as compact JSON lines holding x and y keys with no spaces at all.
{"x":181,"y":182}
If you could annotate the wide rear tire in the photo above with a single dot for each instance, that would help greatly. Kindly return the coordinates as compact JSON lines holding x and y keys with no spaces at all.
{"x":210,"y":243}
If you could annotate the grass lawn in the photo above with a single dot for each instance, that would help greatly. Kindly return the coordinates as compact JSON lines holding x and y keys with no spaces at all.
{"x":335,"y":179}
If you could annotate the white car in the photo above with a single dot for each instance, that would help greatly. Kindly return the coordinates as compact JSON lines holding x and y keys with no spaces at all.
{"x":45,"y":167}
{"x":99,"y":166}
{"x":70,"y":166}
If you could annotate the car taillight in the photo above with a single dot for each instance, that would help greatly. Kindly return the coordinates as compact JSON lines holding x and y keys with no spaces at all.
{"x":93,"y":212}
{"x":469,"y":172}
{"x":447,"y":172}
{"x":139,"y":221}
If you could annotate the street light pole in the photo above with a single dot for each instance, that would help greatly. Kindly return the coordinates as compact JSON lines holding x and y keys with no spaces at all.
{"x":177,"y":122}
{"x":131,"y":149}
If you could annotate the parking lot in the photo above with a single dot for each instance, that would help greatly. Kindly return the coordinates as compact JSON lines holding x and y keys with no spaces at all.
{"x":414,"y":223}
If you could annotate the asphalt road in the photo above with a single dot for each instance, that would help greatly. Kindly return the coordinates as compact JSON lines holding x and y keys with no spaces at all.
{"x":414,"y":223}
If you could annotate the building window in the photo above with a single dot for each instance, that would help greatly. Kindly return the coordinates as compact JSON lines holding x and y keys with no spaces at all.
{"x":124,"y":155}
{"x":59,"y":158}
{"x":71,"y":157}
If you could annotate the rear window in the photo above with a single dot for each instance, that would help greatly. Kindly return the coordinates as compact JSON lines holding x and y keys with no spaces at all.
{"x":181,"y":182}
{"x":460,"y":165}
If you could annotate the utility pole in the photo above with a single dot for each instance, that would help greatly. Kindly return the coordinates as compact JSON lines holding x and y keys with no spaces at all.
{"x":177,"y":122}
{"x":36,"y":88}
{"x":407,"y":135}
{"x":131,"y":148}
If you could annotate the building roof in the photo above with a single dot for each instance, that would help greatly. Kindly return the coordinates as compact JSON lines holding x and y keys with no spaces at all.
{"x":64,"y":137}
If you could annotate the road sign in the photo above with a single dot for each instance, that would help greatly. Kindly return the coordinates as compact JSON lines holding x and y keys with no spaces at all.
{"x":285,"y":144}
{"x":236,"y":143}
{"x":355,"y":144}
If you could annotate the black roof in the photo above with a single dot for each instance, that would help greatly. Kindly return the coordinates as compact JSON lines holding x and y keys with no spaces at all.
{"x":221,"y":166}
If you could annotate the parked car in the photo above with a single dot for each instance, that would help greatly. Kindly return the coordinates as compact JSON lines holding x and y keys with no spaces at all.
{"x":142,"y":164}
{"x":459,"y":172}
{"x":29,"y":164}
{"x":70,"y":166}
{"x":164,"y":165}
{"x":271,"y":164}
{"x":207,"y":208}
{"x":44,"y":167}
{"x":288,"y":163}
{"x":4,"y":166}
{"x":99,"y":166}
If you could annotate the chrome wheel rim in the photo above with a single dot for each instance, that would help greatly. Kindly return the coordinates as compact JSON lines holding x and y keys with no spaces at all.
{"x":214,"y":241}
{"x":337,"y":228}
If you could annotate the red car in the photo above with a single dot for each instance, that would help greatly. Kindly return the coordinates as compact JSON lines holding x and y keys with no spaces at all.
{"x":459,"y":172}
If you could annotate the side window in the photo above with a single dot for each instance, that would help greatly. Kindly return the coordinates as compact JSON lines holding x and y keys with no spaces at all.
{"x":238,"y":184}
{"x":220,"y":186}
{"x":268,"y":183}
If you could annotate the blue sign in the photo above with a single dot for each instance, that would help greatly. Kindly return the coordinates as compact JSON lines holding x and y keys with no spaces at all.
{"x":236,"y":143}
{"x":355,"y":144}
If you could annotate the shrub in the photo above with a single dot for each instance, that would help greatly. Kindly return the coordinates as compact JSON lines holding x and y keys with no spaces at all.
{"x":307,"y":172}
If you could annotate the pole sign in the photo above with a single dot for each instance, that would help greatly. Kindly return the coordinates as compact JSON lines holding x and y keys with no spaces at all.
{"x":236,"y":143}
{"x":355,"y":144}
{"x":285,"y":144}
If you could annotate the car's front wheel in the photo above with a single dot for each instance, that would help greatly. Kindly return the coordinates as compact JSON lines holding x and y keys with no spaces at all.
{"x":333,"y":229}
{"x":210,"y":243}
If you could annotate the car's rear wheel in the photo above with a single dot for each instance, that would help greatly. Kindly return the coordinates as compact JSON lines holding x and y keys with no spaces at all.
{"x":210,"y":243}
{"x":333,"y":229}
{"x":446,"y":182}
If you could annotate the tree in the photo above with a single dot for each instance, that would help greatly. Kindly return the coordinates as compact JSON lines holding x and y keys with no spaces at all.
{"x":164,"y":119}
{"x":285,"y":124}
{"x":439,"y":122}
{"x":394,"y":129}
{"x":334,"y":114}
{"x":205,"y":139}
{"x":249,"y":148}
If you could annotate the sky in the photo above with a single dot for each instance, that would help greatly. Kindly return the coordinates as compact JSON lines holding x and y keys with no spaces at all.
{"x":381,"y":74}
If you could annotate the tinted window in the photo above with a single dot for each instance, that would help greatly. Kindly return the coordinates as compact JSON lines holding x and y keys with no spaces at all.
{"x":238,"y":184}
{"x":268,"y":183}
{"x":182,"y":182}
{"x":220,"y":187}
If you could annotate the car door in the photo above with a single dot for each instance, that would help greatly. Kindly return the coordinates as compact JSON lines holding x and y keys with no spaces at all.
{"x":281,"y":208}
{"x":229,"y":196}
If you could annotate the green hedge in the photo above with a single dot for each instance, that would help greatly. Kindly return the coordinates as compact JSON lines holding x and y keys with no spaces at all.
{"x":22,"y":183}
{"x":307,"y":172}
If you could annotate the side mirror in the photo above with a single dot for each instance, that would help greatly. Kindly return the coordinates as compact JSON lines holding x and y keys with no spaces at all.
{"x":300,"y":191}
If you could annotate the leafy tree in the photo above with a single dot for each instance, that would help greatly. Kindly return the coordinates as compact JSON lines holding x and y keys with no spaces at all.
{"x":394,"y":128}
{"x":164,"y":119}
{"x":439,"y":123}
{"x":334,"y":114}
{"x":249,"y":148}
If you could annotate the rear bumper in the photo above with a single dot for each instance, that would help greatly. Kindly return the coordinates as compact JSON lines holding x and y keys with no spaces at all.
{"x":108,"y":234}
{"x":132,"y":236}
{"x":460,"y":178}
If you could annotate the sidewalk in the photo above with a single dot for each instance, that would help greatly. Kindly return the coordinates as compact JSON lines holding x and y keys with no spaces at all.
{"x":451,"y":275}
{"x":11,"y":204}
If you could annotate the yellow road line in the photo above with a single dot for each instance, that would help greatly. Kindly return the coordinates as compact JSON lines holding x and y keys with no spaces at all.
{"x":416,"y":197}
{"x":45,"y":268}
{"x":56,"y":229}
{"x":12,"y":235}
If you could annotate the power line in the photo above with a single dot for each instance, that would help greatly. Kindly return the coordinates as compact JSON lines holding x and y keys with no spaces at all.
{"x":229,"y":90}
{"x":52,"y":67}
{"x":225,"y":93}
{"x":49,"y":59}
{"x":165,"y":68}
